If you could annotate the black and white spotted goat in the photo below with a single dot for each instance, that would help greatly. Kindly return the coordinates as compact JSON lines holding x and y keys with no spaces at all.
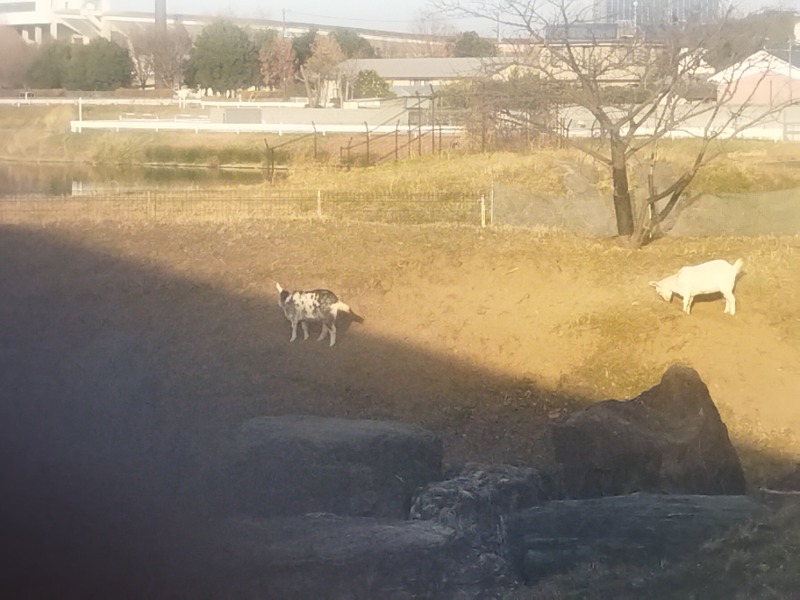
{"x":314,"y":306}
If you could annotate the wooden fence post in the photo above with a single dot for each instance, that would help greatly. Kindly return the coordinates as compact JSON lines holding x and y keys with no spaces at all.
{"x":491,"y":204}
{"x":151,"y":208}
{"x":314,"y":126}
{"x":397,"y":141}
{"x":433,"y":122}
{"x":270,"y":158}
{"x":366,"y":127}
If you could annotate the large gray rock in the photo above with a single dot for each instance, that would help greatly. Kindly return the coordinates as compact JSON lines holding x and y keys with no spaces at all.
{"x":640,"y":529}
{"x":329,"y":557}
{"x":669,"y":439}
{"x":479,"y":500}
{"x":293,"y":465}
{"x":476,"y":505}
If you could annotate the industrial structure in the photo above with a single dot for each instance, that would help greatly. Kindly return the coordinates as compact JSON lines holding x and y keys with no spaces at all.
{"x":80,"y":21}
{"x":655,"y":13}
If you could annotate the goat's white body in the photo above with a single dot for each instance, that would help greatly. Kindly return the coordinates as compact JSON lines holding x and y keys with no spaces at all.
{"x":712,"y":277}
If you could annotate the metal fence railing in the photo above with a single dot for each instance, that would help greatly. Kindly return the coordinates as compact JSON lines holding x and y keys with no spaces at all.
{"x":228,"y":205}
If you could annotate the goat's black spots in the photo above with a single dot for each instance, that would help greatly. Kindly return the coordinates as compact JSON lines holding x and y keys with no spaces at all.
{"x":313,"y":305}
{"x":302,"y":307}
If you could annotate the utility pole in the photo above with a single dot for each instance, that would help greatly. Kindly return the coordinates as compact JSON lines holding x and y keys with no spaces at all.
{"x":791,"y":75}
{"x":790,"y":49}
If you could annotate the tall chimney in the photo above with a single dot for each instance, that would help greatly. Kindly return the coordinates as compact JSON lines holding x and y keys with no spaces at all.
{"x":161,"y":15}
{"x":161,"y":34}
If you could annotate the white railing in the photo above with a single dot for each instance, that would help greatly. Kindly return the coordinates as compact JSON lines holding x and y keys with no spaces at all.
{"x":198,"y":124}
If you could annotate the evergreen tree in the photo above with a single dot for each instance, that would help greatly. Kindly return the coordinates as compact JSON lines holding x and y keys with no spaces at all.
{"x":98,"y":65}
{"x":302,"y":46}
{"x":224,"y":58}
{"x":353,"y":45}
{"x":369,"y":84}
{"x":469,"y":43}
{"x":49,"y":66}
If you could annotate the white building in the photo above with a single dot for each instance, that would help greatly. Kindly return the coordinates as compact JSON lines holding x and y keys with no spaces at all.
{"x":41,"y":20}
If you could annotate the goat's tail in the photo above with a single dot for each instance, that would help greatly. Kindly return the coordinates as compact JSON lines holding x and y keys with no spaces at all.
{"x":737,"y":266}
{"x":341,"y":306}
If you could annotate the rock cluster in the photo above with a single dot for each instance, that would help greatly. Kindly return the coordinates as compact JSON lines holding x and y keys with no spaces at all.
{"x":336,"y":508}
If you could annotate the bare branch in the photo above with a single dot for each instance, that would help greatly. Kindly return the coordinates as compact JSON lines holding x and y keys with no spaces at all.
{"x":635,"y":88}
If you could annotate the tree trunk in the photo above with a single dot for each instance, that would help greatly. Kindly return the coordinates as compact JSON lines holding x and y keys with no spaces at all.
{"x":305,"y":79}
{"x":623,"y":208}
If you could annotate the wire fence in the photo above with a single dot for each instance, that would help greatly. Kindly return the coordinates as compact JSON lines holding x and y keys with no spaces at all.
{"x":376,"y":148}
{"x":230,"y":205}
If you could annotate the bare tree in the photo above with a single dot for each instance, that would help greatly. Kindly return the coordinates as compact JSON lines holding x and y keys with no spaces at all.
{"x":159,"y":55}
{"x":437,"y":35}
{"x":325,"y":56}
{"x":278,"y":64}
{"x":170,"y":53}
{"x":141,"y":44}
{"x":634,"y":88}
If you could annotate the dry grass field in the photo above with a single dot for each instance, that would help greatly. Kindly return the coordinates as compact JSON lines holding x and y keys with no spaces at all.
{"x":479,"y":334}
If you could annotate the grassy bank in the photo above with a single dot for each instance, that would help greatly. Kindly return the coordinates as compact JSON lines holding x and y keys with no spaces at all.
{"x":34,"y":133}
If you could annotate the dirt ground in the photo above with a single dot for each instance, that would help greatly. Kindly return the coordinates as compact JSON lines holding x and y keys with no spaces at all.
{"x":130,"y":351}
{"x":479,"y":335}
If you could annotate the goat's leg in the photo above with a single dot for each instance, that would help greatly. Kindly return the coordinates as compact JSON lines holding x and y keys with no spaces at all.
{"x":323,"y":332}
{"x":730,"y":303}
{"x":687,"y":304}
{"x":304,"y":325}
{"x":332,"y":330}
{"x":294,"y":330}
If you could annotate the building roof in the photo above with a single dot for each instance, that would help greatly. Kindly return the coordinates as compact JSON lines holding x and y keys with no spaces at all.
{"x":755,"y":64}
{"x":423,"y":68}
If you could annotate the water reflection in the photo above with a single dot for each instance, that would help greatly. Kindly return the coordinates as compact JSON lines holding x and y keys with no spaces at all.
{"x":18,"y":178}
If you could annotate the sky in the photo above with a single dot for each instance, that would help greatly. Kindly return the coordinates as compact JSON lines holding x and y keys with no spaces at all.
{"x":395,"y":15}
{"x":391,"y":15}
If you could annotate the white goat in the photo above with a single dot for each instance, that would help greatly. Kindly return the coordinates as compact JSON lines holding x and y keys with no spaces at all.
{"x":714,"y":276}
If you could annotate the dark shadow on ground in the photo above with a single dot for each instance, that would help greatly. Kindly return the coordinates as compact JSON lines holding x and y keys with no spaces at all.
{"x":120,"y":384}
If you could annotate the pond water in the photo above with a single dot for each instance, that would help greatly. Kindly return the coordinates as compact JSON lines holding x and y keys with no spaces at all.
{"x":20,"y":178}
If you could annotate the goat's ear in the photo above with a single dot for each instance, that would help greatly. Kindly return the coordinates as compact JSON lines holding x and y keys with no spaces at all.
{"x":278,"y":285}
{"x":653,"y":284}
